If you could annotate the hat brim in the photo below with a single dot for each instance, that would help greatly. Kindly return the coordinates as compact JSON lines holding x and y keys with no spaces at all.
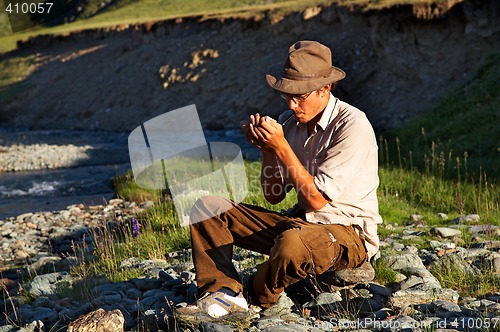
{"x":275,"y":79}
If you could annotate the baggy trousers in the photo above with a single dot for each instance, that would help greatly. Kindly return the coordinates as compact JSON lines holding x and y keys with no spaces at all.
{"x":296,"y":248}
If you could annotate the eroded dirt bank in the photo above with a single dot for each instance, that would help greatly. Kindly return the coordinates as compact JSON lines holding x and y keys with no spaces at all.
{"x":397,"y":66}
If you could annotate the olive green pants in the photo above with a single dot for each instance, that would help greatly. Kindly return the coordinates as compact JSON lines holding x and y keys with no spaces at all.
{"x":296,"y":248}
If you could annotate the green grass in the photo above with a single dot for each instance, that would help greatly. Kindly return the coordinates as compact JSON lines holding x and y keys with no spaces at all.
{"x":383,"y":273}
{"x":126,"y":186}
{"x":135,"y":12}
{"x":124,"y":12}
{"x":421,"y":174}
{"x":13,"y":73}
{"x":405,"y":192}
{"x":457,"y":139}
{"x":467,"y":283}
{"x":159,"y":233}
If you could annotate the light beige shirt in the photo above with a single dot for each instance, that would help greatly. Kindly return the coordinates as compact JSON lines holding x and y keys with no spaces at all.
{"x":341,"y":154}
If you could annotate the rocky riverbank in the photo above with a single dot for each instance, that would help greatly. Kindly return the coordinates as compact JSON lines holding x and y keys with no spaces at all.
{"x":28,"y":150}
{"x":51,"y":297}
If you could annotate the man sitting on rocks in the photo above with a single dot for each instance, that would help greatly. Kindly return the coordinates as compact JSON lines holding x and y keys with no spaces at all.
{"x":326,"y":150}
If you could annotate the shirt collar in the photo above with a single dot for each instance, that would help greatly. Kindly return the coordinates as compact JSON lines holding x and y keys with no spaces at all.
{"x":329,"y":113}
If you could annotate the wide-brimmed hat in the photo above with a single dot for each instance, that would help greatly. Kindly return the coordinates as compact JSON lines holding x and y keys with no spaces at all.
{"x":308,"y":67}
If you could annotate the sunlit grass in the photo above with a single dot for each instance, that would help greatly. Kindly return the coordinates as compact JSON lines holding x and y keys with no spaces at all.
{"x":477,"y":283}
{"x":13,"y":73}
{"x":135,"y":12}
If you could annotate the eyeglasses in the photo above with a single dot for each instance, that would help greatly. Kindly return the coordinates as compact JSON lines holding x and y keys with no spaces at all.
{"x":295,"y":98}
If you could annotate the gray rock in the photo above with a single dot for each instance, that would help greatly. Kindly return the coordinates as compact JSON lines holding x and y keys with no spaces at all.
{"x":47,"y":284}
{"x":379,"y":289}
{"x":472,"y":253}
{"x":283,"y":306}
{"x":490,"y":245}
{"x":367,"y":306}
{"x":404,"y":261}
{"x":150,"y":303}
{"x":484,"y":229}
{"x":415,"y":217}
{"x":490,"y":262}
{"x":405,"y":323}
{"x":36,"y":326}
{"x":434,"y":244}
{"x":402,"y":298}
{"x":446,"y":309}
{"x":164,"y":276}
{"x":172,"y":283}
{"x":410,"y":282}
{"x":398,"y":246}
{"x":131,"y":262}
{"x":145,"y":284}
{"x":470,"y":218}
{"x":48,"y":316}
{"x":99,"y":320}
{"x":25,"y":313}
{"x":287,"y":328}
{"x":269,"y":321}
{"x":324,"y":299}
{"x":446,"y":232}
{"x":456,"y":262}
{"x":108,"y":298}
{"x":327,"y":298}
{"x":442,"y":216}
{"x":134,"y":293}
{"x":420,"y":277}
{"x":213,"y":327}
{"x":350,"y":276}
{"x":494,"y":297}
{"x":381,"y":314}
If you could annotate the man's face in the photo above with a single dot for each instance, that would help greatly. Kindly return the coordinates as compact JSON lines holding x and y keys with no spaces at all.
{"x":308,"y":105}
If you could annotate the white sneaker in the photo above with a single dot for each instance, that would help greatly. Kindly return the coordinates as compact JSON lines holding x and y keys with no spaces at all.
{"x":216,"y":305}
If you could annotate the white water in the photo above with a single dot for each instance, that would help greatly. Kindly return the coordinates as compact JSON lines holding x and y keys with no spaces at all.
{"x":89,"y":183}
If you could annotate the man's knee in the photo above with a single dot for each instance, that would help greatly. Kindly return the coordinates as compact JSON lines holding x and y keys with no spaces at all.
{"x":289,"y":247}
{"x":208,"y":207}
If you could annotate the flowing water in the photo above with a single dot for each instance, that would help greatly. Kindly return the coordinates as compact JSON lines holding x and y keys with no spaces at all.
{"x":88,"y":182}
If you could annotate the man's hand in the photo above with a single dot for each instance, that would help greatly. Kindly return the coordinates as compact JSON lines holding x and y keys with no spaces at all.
{"x":269,"y":134}
{"x":260,"y":131}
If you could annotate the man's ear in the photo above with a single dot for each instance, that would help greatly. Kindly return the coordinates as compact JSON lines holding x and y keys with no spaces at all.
{"x":326,"y":88}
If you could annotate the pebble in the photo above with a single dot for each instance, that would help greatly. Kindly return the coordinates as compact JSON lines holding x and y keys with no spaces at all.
{"x":151,"y":300}
{"x":21,"y":157}
{"x":446,"y":232}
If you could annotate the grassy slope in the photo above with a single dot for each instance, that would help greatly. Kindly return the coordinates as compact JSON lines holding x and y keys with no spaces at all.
{"x":130,"y":11}
{"x":448,"y":159}
{"x":465,"y":125}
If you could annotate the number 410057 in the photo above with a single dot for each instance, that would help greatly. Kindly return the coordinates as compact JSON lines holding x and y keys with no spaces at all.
{"x":29,"y":8}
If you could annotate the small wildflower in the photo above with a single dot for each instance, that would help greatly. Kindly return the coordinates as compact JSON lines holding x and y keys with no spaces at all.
{"x":135,"y":227}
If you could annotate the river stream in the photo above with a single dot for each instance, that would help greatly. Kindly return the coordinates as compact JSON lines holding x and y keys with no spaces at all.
{"x":89,"y":181}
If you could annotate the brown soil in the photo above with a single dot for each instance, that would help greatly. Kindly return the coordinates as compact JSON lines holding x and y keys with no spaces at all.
{"x":399,"y":61}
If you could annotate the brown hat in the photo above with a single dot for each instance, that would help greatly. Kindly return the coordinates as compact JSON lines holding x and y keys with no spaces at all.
{"x":308,"y":67}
